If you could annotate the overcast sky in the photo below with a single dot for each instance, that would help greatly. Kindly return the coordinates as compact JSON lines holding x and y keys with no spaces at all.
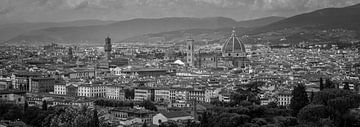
{"x":69,"y":10}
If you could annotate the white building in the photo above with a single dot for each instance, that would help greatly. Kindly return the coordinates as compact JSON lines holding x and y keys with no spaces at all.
{"x":114,"y":92}
{"x":116,"y":71}
{"x":60,"y":89}
{"x":284,"y":98}
{"x":162,"y":95}
{"x":90,"y":90}
{"x":141,"y":94}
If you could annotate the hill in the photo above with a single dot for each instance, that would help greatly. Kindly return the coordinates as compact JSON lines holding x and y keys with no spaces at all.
{"x":8,"y":31}
{"x":130,"y":28}
{"x":346,"y":18}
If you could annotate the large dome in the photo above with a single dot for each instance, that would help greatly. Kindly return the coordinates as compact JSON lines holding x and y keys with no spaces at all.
{"x":233,"y":45}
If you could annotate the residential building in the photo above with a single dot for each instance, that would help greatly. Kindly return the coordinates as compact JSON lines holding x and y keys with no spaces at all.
{"x":60,"y":89}
{"x":5,"y":84}
{"x":162,"y":95}
{"x":126,"y":112}
{"x":91,"y":90}
{"x":115,"y":92}
{"x":142,"y":93}
{"x":171,"y":116}
{"x":284,"y":98}
{"x":197,"y":94}
{"x":178,"y":94}
{"x":22,"y":80}
{"x":43,"y":84}
{"x":14,"y":97}
{"x":80,"y":73}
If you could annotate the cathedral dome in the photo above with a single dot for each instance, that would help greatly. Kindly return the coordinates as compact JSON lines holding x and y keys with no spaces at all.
{"x":233,"y":45}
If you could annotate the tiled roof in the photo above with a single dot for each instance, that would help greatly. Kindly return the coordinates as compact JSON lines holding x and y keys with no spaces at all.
{"x":175,"y":114}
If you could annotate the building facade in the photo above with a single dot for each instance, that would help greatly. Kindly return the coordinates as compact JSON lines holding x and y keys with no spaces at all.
{"x":162,"y":95}
{"x":40,"y":85}
{"x":115,"y":92}
{"x":60,"y":89}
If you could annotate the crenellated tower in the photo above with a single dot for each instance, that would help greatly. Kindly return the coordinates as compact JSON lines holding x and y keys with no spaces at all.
{"x":107,"y":48}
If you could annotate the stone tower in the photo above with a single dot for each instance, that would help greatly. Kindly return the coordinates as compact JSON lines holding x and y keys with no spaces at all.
{"x":190,"y":51}
{"x":107,"y":48}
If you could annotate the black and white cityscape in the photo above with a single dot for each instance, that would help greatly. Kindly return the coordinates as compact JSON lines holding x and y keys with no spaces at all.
{"x":179,"y":63}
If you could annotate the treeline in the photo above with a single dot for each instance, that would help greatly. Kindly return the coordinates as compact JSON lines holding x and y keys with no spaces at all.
{"x":248,"y":115}
{"x":332,"y":107}
{"x":60,"y":116}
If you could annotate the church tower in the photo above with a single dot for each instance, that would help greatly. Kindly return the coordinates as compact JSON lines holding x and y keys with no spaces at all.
{"x":107,"y":48}
{"x":190,"y":51}
{"x":70,"y":53}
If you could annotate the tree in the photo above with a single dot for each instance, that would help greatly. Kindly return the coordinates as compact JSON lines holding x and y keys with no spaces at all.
{"x":323,"y":96}
{"x":259,"y":121}
{"x":329,"y":84}
{"x":26,"y":106}
{"x":72,"y":117}
{"x":129,"y":93}
{"x":313,"y":113}
{"x":312,"y":96}
{"x":299,"y":99}
{"x":144,"y":124}
{"x":148,"y":105}
{"x":321,"y":84}
{"x":204,"y":119}
{"x":44,"y":105}
{"x":95,"y":118}
{"x":346,"y":86}
{"x":272,"y":105}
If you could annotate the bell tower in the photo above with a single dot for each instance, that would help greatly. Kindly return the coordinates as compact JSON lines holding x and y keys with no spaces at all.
{"x":107,"y":48}
{"x":190,"y":51}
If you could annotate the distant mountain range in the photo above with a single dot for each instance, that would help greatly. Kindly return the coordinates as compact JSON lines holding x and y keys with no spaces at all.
{"x":9,"y":31}
{"x":49,"y":32}
{"x":174,"y":28}
{"x":346,"y":17}
{"x":294,"y":29}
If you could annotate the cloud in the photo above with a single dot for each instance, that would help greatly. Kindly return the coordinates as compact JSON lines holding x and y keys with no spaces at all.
{"x":5,"y":11}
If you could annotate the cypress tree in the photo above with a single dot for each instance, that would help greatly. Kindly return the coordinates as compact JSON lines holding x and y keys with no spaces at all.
{"x":95,"y":119}
{"x":321,"y":84}
{"x":329,"y":84}
{"x":312,"y":96}
{"x":299,"y":99}
{"x":44,"y":105}
{"x":144,"y":125}
{"x":26,"y":106}
{"x":346,"y":86}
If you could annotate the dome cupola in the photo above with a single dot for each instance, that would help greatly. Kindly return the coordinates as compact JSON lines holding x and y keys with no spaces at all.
{"x":233,"y":47}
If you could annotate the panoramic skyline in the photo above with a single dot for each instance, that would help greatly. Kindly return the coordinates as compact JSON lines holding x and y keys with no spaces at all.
{"x":70,"y":10}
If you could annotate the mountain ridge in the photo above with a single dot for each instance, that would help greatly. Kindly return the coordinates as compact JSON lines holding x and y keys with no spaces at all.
{"x":129,"y":28}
